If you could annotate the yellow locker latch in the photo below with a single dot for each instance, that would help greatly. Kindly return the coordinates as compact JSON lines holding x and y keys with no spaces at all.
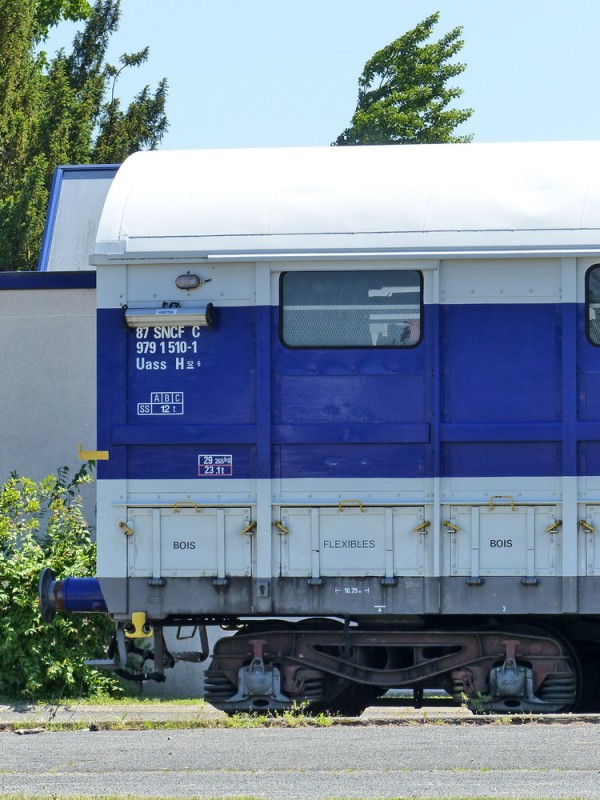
{"x":451,"y":527}
{"x":422,"y":528}
{"x":138,"y":628}
{"x":281,"y":528}
{"x":586,"y":526}
{"x":249,"y":529}
{"x":551,"y":529}
{"x":126,"y":529}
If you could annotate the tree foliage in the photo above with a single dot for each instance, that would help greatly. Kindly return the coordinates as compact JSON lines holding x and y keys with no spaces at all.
{"x":62,"y":110}
{"x":42,"y":525}
{"x":50,"y":12}
{"x":403,"y":96}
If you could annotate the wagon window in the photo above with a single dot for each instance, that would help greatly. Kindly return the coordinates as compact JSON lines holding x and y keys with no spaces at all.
{"x":593,"y":304}
{"x":367,"y":308}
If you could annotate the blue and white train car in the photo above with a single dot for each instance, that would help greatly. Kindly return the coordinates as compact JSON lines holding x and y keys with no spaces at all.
{"x":349,"y":404}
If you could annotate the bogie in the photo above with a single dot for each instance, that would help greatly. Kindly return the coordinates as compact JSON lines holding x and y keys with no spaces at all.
{"x":341,"y":670}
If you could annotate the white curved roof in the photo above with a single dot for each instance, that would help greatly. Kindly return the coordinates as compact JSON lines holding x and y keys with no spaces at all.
{"x":390,"y":199}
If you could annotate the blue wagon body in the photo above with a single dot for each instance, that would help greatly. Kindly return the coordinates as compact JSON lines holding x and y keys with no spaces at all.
{"x":349,"y":402}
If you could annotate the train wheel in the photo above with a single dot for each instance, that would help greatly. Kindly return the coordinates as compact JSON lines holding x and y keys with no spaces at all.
{"x":523,"y":683}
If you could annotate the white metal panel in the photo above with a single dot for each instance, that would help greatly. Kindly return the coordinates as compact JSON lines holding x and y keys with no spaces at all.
{"x":501,"y":281}
{"x":524,"y":489}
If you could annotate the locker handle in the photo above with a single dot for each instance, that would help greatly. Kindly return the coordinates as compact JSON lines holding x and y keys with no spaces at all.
{"x":186,"y":504}
{"x":502,"y":497}
{"x":586,"y":526}
{"x":343,"y":503}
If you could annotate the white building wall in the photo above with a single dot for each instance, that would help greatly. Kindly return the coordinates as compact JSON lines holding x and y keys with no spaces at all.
{"x":48,"y":369}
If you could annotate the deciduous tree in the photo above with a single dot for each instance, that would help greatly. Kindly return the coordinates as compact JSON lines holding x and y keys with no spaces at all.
{"x":42,"y":525}
{"x":403,"y":92}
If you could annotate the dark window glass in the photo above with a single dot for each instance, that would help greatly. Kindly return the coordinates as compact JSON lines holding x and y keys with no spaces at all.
{"x":593,"y":303}
{"x":366,"y":308}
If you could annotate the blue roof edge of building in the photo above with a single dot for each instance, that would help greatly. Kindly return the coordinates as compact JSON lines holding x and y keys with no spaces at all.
{"x":16,"y":281}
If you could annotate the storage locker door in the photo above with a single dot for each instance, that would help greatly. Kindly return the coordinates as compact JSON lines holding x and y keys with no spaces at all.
{"x":411,"y":536}
{"x":504,"y":540}
{"x":548,"y":540}
{"x":140,"y":542}
{"x":339,"y":541}
{"x":188,"y":542}
{"x":296,"y":542}
{"x":353,"y":541}
{"x":458,"y":542}
{"x":592,"y":545}
{"x":488,"y":541}
{"x":519,"y":540}
{"x":238,"y":541}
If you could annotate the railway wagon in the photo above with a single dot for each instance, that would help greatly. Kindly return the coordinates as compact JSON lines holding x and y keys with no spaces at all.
{"x":348,"y":409}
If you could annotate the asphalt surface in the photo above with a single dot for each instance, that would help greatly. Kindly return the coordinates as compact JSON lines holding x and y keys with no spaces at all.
{"x":429,"y":760}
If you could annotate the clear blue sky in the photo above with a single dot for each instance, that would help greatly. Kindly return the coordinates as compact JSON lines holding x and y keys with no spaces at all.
{"x":270,"y":73}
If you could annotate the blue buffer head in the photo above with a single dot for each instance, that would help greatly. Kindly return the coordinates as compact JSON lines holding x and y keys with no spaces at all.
{"x":81,"y":595}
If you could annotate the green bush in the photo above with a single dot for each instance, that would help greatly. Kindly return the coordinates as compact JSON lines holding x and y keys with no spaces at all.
{"x":42,"y":525}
